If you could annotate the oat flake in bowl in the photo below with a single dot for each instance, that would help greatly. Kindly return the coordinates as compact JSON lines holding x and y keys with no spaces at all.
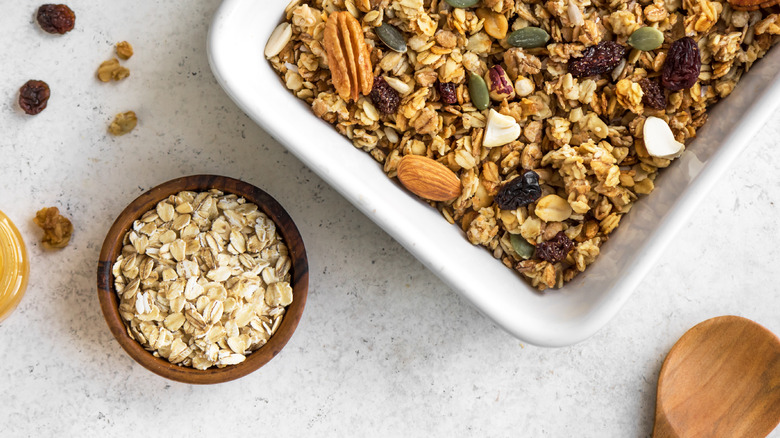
{"x":203,"y":279}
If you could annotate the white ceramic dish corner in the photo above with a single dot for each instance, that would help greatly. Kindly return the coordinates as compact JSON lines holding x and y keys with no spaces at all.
{"x":237,"y":38}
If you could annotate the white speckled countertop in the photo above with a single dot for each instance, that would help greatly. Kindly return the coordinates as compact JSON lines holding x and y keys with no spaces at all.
{"x":384,"y":348}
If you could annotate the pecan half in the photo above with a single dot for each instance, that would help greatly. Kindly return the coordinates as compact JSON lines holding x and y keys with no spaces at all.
{"x":348,"y":56}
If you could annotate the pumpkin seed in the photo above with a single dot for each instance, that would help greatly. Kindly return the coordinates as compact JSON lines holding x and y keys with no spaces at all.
{"x":646,"y":38}
{"x":521,"y":246}
{"x":462,"y":3}
{"x":528,"y":37}
{"x":392,"y":37}
{"x":478,"y":90}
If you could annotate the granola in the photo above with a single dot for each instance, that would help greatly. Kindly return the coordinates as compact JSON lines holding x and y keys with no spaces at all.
{"x":494,"y":89}
{"x":57,"y":229}
{"x":123,"y":123}
{"x":203,"y":279}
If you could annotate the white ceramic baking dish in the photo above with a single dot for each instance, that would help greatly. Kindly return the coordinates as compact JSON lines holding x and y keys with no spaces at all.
{"x":237,"y":39}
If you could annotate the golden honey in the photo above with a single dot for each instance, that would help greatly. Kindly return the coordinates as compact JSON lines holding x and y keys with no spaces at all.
{"x":14,"y":267}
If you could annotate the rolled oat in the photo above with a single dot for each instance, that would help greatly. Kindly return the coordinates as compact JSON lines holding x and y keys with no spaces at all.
{"x":203,"y":279}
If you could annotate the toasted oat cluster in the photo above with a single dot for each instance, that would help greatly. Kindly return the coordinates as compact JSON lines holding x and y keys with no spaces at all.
{"x":539,"y":108}
{"x":203,"y":279}
{"x":57,"y":229}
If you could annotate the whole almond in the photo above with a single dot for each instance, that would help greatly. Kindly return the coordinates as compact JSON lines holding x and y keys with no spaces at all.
{"x":428,"y":178}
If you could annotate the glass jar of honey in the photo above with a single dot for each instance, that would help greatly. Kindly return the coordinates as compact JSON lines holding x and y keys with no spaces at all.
{"x":14,"y":267}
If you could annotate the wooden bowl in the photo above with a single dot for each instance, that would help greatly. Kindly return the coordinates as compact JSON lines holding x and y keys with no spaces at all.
{"x":112,"y":247}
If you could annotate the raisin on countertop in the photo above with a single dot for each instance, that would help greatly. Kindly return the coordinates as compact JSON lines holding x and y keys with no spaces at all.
{"x":33,"y":96}
{"x":682,"y":65}
{"x":598,"y":59}
{"x":653,"y":94}
{"x":519,"y":192}
{"x":384,"y":97}
{"x":555,"y":249}
{"x":56,"y":18}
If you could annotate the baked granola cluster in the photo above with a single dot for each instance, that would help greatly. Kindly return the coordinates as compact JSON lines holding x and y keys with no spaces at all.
{"x":555,"y":92}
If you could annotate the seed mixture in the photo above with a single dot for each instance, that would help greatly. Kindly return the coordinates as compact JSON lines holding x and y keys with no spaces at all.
{"x":555,"y":116}
{"x":203,"y":279}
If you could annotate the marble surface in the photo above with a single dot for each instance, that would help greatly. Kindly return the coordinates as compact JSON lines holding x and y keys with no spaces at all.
{"x":384,"y":348}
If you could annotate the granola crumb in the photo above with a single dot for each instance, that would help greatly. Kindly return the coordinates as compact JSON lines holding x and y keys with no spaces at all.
{"x":57,"y":229}
{"x":123,"y":123}
{"x":124,"y":50}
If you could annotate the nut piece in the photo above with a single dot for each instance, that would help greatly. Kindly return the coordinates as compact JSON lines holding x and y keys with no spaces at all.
{"x":496,"y":25}
{"x":278,"y":39}
{"x":553,"y":208}
{"x":57,"y":229}
{"x":659,"y":139}
{"x":123,"y":123}
{"x":428,"y":178}
{"x":500,"y":130}
{"x":348,"y":56}
{"x":112,"y":70}
{"x":124,"y":50}
{"x":499,"y":84}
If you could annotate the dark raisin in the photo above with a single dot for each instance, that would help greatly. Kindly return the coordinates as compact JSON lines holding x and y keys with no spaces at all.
{"x":598,"y":59}
{"x":519,"y":192}
{"x":56,"y":18}
{"x":653,"y":94}
{"x":33,"y":96}
{"x":384,"y":97}
{"x":447,"y":92}
{"x":682,"y":65}
{"x":555,"y":249}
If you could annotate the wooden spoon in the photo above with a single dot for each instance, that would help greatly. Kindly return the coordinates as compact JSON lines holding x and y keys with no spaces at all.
{"x":721,"y":379}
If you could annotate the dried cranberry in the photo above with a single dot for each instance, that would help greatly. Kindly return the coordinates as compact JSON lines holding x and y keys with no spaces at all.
{"x":448,"y":93}
{"x":519,"y":192}
{"x":598,"y":59}
{"x":56,"y":18}
{"x":682,"y":65}
{"x":555,"y":249}
{"x":653,"y":94}
{"x":33,"y":96}
{"x":384,"y":97}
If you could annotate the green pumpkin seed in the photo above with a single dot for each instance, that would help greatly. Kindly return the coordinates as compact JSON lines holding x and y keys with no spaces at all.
{"x":478,"y":90}
{"x":521,"y":246}
{"x":392,"y":37}
{"x":528,"y":37}
{"x":646,"y":38}
{"x":462,"y":3}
